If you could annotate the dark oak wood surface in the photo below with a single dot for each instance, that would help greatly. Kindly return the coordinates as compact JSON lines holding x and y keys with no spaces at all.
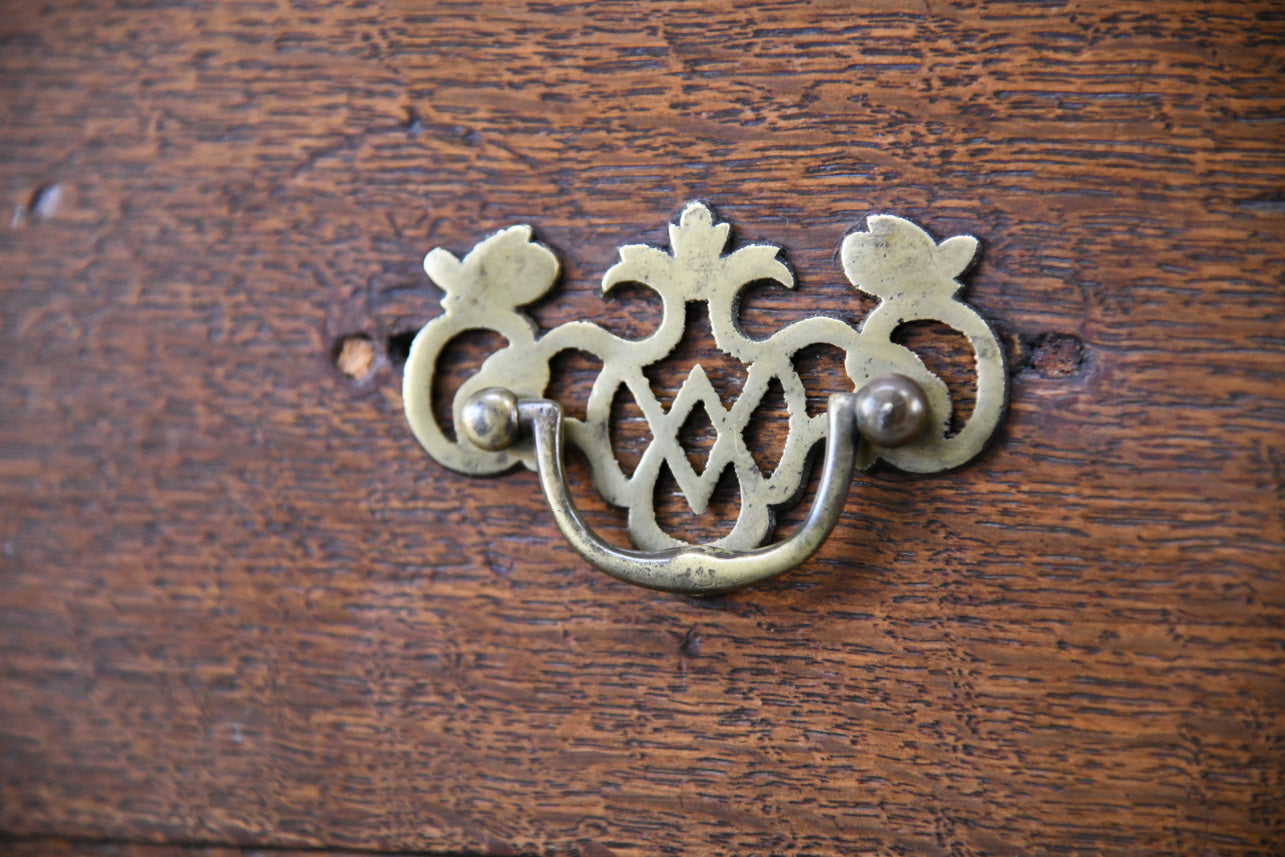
{"x":240,"y":607}
{"x":61,"y":847}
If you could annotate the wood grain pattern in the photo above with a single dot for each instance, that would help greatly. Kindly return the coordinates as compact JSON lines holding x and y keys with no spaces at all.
{"x":62,"y":847}
{"x":239,"y":606}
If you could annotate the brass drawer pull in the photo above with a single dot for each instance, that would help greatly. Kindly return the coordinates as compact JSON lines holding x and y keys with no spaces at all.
{"x":900,"y":413}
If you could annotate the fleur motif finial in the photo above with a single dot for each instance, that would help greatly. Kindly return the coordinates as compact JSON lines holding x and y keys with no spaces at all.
{"x":696,"y":268}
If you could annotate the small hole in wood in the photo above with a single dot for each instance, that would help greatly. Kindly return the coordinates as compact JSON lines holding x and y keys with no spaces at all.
{"x":354,"y":355}
{"x":1053,"y":355}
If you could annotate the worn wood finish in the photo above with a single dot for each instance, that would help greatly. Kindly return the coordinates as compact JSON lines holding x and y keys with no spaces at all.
{"x":56,"y":847}
{"x":239,"y":606}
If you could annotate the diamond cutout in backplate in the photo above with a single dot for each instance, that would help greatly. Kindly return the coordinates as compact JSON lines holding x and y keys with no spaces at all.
{"x":697,"y":437}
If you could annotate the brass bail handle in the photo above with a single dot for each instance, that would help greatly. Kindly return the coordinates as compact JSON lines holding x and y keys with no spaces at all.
{"x":900,"y":413}
{"x":890,"y":410}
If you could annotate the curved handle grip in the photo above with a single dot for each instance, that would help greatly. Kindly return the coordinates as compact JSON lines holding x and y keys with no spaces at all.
{"x":694,"y":570}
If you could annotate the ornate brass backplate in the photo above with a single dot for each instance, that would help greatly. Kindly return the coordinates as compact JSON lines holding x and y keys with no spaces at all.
{"x":914,"y":277}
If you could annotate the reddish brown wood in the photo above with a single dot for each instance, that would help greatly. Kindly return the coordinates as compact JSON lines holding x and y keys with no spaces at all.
{"x":239,"y":606}
{"x":56,"y":847}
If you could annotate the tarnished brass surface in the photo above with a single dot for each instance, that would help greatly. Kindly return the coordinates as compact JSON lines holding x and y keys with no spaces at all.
{"x":895,"y":260}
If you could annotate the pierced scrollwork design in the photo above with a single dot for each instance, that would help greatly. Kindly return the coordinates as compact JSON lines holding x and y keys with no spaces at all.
{"x":913,"y":276}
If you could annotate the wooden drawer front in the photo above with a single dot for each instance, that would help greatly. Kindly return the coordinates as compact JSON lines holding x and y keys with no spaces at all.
{"x":239,"y":607}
